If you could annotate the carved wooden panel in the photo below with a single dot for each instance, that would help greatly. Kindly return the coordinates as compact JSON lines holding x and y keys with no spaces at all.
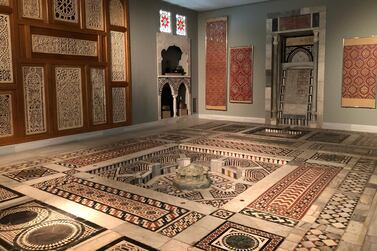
{"x":94,"y":14}
{"x":59,"y":63}
{"x":34,"y":99}
{"x":117,"y":17}
{"x":98,"y":84}
{"x":6,"y":67}
{"x":69,"y":97}
{"x":6,"y":115}
{"x":117,"y":45}
{"x":63,"y":45}
{"x":66,"y":10}
{"x":32,"y":9}
{"x":119,"y":104}
{"x":4,"y":2}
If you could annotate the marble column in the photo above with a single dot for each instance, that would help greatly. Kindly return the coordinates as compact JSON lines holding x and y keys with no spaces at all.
{"x":315,"y":78}
{"x":175,"y":106}
{"x":188,"y":101}
{"x":275,"y":78}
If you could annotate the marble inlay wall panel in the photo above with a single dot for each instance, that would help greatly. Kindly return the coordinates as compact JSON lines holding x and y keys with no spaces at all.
{"x":69,"y":97}
{"x":6,"y":68}
{"x":32,"y":9}
{"x":296,"y":92}
{"x":98,"y":83}
{"x":63,"y":45}
{"x":6,"y":115}
{"x":94,"y":14}
{"x":118,"y":55}
{"x":34,"y":99}
{"x":119,"y":105}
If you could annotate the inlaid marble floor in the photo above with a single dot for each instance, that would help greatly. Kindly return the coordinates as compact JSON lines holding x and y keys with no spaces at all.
{"x":273,"y":188}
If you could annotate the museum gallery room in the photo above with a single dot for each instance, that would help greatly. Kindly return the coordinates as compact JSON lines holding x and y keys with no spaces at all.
{"x":188,"y":125}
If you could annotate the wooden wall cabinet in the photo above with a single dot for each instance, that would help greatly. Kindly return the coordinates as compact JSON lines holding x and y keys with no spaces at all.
{"x":65,"y":68}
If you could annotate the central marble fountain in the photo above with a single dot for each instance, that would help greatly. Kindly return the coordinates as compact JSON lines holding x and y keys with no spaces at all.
{"x":192,"y":176}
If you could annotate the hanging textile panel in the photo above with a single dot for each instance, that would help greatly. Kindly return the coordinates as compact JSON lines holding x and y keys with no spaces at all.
{"x":241,"y":75}
{"x":216,"y":64}
{"x":359,"y":72}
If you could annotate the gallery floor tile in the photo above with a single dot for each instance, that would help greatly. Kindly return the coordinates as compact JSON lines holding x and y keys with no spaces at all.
{"x":269,"y":188}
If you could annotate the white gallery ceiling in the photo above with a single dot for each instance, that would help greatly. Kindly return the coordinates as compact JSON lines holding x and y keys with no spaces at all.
{"x":204,"y":5}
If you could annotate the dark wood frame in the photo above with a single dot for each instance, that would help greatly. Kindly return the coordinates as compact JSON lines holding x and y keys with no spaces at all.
{"x":21,"y":30}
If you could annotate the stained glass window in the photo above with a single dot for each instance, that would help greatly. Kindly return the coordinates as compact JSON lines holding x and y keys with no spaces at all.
{"x":181,"y":25}
{"x":165,"y":21}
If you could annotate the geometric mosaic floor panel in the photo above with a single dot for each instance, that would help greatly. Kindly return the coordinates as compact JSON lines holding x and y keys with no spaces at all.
{"x":338,"y":211}
{"x":328,"y":137}
{"x":241,"y":159}
{"x":355,"y":182}
{"x":208,"y":125}
{"x":232,"y":236}
{"x":30,"y":173}
{"x":110,"y":154}
{"x":222,"y":214}
{"x":37,"y":226}
{"x":139,"y":210}
{"x":243,"y":146}
{"x":125,"y":243}
{"x":365,"y":165}
{"x":25,"y":164}
{"x":221,"y":191}
{"x":284,"y":133}
{"x":336,"y":214}
{"x":232,"y":128}
{"x":328,"y":157}
{"x":251,"y":139}
{"x":8,"y":194}
{"x":292,"y":196}
{"x":366,"y":140}
{"x":181,"y":224}
{"x":345,"y":149}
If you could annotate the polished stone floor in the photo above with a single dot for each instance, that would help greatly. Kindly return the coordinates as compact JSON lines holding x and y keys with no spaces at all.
{"x":273,"y":188}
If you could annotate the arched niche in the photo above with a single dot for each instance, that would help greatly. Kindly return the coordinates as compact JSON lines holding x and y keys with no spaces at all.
{"x":167,"y":107}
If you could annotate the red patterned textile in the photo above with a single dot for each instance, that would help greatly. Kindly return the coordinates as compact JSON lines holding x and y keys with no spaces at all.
{"x":216,"y":64}
{"x":241,"y":79}
{"x":359,"y":73}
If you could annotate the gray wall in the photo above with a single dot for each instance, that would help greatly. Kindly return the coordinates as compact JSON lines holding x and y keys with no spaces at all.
{"x":246,"y":24}
{"x":144,"y":23}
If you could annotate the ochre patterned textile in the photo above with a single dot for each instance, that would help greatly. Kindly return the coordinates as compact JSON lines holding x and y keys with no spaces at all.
{"x":216,"y":62}
{"x":241,"y":80}
{"x":359,"y":72}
